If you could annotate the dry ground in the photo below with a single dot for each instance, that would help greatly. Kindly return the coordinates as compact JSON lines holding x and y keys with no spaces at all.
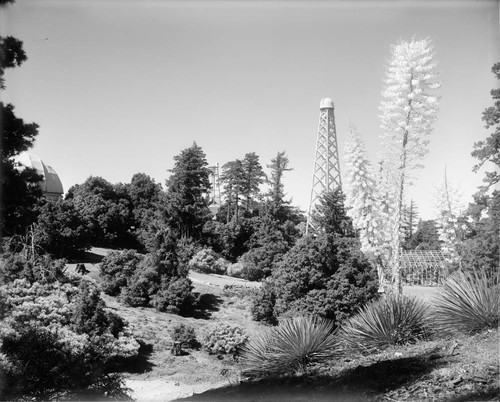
{"x":459,"y":368}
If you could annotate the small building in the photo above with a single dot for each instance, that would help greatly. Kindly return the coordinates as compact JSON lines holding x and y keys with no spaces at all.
{"x":51,"y":183}
{"x":422,"y":267}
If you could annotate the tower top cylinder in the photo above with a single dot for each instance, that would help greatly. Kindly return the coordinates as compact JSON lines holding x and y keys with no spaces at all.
{"x":326,"y":103}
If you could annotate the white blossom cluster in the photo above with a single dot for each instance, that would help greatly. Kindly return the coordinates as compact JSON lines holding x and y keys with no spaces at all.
{"x":408,"y":108}
{"x":368,"y":201}
{"x":449,"y":206}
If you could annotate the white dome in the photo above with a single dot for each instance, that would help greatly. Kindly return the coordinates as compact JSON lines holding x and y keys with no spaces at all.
{"x":51,"y":183}
{"x":326,"y":103}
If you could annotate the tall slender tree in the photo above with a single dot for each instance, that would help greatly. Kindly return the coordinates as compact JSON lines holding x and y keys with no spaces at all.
{"x":253,"y":177}
{"x":408,"y":111}
{"x":187,"y":190}
{"x":233,"y":181}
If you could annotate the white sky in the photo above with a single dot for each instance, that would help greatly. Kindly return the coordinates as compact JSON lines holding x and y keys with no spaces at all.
{"x":120,"y":87}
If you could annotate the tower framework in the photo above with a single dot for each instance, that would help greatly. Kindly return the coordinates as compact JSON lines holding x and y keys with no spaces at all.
{"x":326,"y":172}
{"x":215,"y":200}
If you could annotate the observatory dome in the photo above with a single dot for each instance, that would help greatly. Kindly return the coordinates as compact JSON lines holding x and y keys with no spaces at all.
{"x":51,"y":183}
{"x":326,"y":103}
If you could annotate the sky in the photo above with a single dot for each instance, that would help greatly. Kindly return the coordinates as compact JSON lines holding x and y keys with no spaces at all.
{"x":122,"y":86}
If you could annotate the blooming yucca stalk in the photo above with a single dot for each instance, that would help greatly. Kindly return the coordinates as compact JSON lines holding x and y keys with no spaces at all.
{"x":469,"y":302}
{"x":290,"y":347}
{"x":365,"y":204}
{"x":393,"y":320}
{"x":408,"y":111}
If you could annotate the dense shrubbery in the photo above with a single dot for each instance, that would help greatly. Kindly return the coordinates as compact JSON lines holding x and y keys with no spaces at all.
{"x":290,"y":347}
{"x":184,"y":334}
{"x":470,"y":302}
{"x":116,"y":268}
{"x":56,"y":338}
{"x":393,"y":320}
{"x":208,"y":262}
{"x":325,"y":276}
{"x":224,"y":339}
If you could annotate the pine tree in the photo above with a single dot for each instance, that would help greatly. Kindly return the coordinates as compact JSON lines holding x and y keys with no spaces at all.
{"x":410,"y":220}
{"x":253,"y":178}
{"x":407,"y":114}
{"x":232,"y":179}
{"x":187,"y":190}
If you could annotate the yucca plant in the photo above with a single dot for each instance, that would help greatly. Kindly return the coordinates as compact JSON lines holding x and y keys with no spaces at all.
{"x":469,"y":302}
{"x":290,"y":348}
{"x":393,"y":320}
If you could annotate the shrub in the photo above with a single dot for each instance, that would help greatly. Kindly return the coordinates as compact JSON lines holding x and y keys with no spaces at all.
{"x":470,"y":302}
{"x":325,"y":275}
{"x":224,"y":339}
{"x":175,"y":296}
{"x":205,"y":261}
{"x":263,"y":304}
{"x":235,"y":270}
{"x":291,"y":347}
{"x":116,"y":268}
{"x":393,"y":320}
{"x":57,"y":338}
{"x":44,"y":269}
{"x":184,"y":334}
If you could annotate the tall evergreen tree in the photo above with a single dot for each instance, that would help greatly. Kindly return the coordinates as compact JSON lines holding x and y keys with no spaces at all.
{"x":19,"y":187}
{"x":407,"y":114}
{"x":187,"y":191}
{"x":253,"y":178}
{"x":233,"y":182}
{"x":410,"y":220}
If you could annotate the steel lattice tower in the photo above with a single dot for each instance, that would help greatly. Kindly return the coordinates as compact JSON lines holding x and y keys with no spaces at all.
{"x":326,"y":173}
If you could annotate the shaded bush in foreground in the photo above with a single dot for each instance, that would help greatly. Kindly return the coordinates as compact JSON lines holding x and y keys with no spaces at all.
{"x":470,"y":302}
{"x":394,"y":320}
{"x":290,"y":347}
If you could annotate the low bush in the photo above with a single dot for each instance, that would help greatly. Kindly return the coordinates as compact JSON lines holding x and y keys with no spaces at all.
{"x":184,"y":334}
{"x":235,"y":270}
{"x":56,"y":341}
{"x":393,"y":320}
{"x":224,"y":339}
{"x":175,"y":296}
{"x":469,"y":302}
{"x":206,"y":261}
{"x":116,"y":268}
{"x":290,"y":348}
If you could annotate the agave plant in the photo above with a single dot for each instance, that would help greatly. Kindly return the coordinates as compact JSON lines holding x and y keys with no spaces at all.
{"x":470,"y":302}
{"x":394,"y":320}
{"x":290,"y":348}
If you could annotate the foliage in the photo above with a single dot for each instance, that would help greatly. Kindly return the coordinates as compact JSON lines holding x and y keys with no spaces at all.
{"x":326,"y":276}
{"x":116,"y":268}
{"x":185,"y":334}
{"x":470,"y":302}
{"x":235,"y":270}
{"x":263,"y":304}
{"x":56,"y":339}
{"x":61,"y":231}
{"x":331,"y":215}
{"x":206,"y":261}
{"x":426,"y":237}
{"x":187,"y":186}
{"x":224,"y":339}
{"x":408,"y":112}
{"x":290,"y":348}
{"x":43,"y":270}
{"x":489,"y":150}
{"x":481,"y":245}
{"x":395,"y":319}
{"x":174,"y":296}
{"x":106,"y":210}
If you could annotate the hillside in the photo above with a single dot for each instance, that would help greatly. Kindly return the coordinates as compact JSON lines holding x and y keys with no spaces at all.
{"x":452,"y":369}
